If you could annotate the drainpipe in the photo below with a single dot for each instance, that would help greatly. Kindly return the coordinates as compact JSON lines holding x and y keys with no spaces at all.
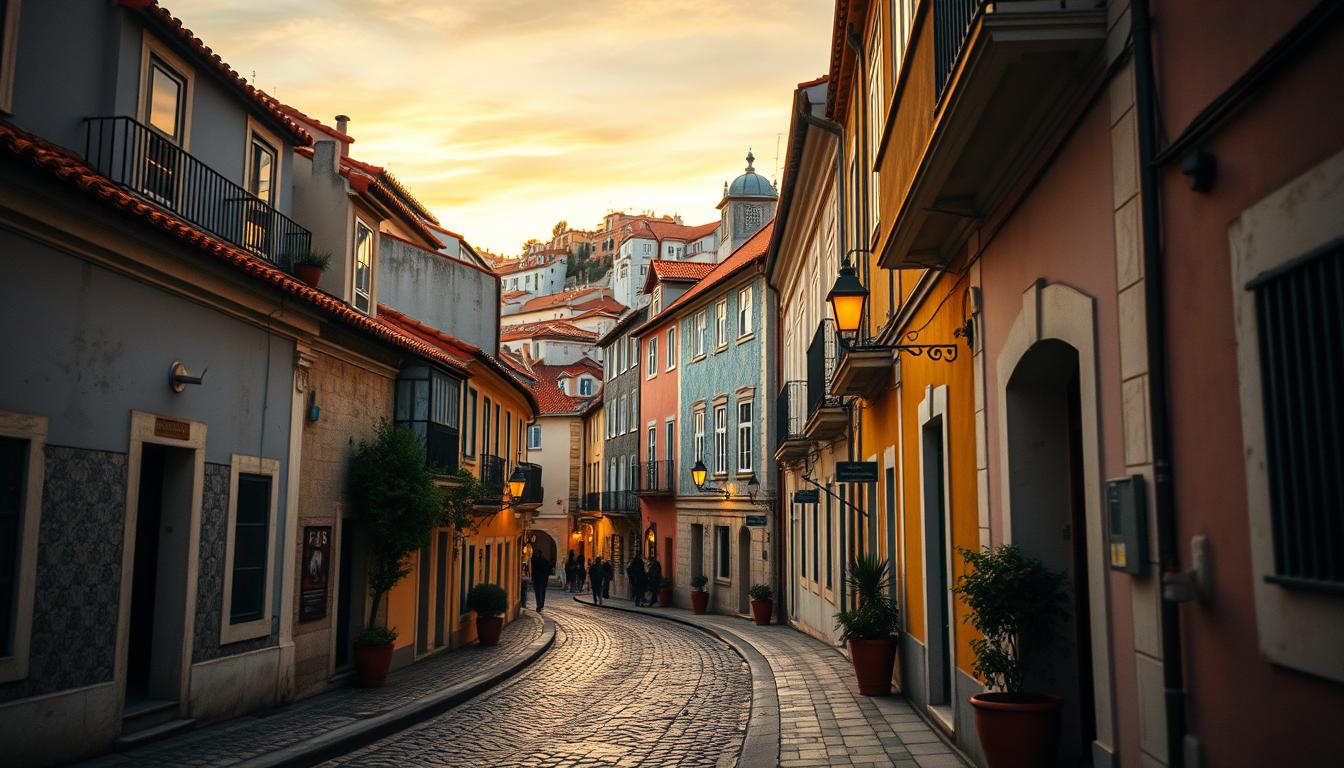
{"x":1173,"y":679}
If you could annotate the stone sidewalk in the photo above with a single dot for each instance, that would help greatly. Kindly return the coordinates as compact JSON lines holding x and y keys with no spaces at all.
{"x":313,"y":729}
{"x":819,"y":718}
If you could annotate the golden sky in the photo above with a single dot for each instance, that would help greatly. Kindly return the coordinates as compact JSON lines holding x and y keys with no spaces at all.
{"x":504,"y":116}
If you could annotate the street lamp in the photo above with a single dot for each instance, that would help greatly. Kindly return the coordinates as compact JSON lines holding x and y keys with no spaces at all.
{"x":698,"y":475}
{"x":517,"y":483}
{"x":848,"y":299}
{"x":753,"y":486}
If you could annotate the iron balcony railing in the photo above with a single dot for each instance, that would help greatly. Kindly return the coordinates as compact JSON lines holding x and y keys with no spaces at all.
{"x":656,"y":477}
{"x":951,"y":24}
{"x":822,"y":358}
{"x":791,"y":411}
{"x":441,"y":449}
{"x":153,"y":167}
{"x":619,"y":502}
{"x":533,"y":493}
{"x":592,"y":502}
{"x":492,"y":477}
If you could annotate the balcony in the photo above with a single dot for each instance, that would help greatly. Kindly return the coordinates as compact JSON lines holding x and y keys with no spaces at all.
{"x":619,"y":502}
{"x":827,"y":416}
{"x":533,"y":493}
{"x":149,"y":165}
{"x":1009,"y":77}
{"x":655,"y":478}
{"x":492,"y":479}
{"x":591,"y":502}
{"x":791,"y":416}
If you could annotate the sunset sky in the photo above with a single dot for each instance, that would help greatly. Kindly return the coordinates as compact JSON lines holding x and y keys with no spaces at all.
{"x":504,"y":116}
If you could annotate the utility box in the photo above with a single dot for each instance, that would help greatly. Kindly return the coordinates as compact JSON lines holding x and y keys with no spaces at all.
{"x":1127,"y":510}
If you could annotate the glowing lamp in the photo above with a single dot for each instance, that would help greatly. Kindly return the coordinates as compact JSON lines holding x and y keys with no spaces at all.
{"x":517,"y":482}
{"x":847,"y":298}
{"x":698,"y":473}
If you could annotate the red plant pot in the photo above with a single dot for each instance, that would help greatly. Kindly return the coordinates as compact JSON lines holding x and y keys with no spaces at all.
{"x":308,"y":274}
{"x":1017,"y":730}
{"x":873,"y":662}
{"x":372,"y":663}
{"x":699,"y":601}
{"x":665,"y":597}
{"x":488,"y":629}
{"x":761,"y":610}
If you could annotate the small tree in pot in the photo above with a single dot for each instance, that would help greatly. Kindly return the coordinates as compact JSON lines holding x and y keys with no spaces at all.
{"x":699,"y":595}
{"x":309,"y":266}
{"x":1016,"y":605}
{"x":762,"y":603}
{"x":395,"y":504}
{"x":873,"y":626}
{"x":490,"y":602}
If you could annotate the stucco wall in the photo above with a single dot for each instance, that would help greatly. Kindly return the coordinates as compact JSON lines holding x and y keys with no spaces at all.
{"x":443,"y":293}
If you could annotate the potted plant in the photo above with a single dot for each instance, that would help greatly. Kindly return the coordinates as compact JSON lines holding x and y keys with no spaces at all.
{"x":395,"y":505}
{"x":373,"y":655}
{"x":665,"y":592}
{"x":1016,"y":605}
{"x":309,"y":266}
{"x":872,"y":626}
{"x":762,"y":603}
{"x":699,"y":595}
{"x":490,"y":602}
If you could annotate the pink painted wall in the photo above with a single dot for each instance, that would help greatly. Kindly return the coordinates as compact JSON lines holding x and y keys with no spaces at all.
{"x":1244,"y":710}
{"x":658,"y":400}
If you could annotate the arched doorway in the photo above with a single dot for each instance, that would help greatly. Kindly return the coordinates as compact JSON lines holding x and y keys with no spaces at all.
{"x":1048,"y":497}
{"x":541,"y":542}
{"x":743,"y":569}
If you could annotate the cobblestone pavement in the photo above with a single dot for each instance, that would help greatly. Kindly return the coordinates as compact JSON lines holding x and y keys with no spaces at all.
{"x":615,"y":689}
{"x":234,"y":741}
{"x":823,"y":718}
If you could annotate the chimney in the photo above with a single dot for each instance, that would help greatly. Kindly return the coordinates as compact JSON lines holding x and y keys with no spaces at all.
{"x":342,"y":125}
{"x":325,"y":159}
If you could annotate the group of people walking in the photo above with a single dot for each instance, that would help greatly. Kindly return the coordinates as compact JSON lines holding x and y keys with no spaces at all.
{"x":596,"y":575}
{"x":645,"y":580}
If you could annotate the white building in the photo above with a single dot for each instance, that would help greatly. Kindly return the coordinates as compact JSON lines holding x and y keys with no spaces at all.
{"x":537,"y":274}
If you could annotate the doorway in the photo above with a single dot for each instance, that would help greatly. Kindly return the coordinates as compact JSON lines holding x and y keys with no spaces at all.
{"x":697,"y":551}
{"x":1048,"y":501}
{"x":161,"y":547}
{"x":938,"y":619}
{"x":743,"y":569}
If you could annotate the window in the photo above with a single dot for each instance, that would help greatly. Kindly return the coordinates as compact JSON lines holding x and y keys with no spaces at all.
{"x":700,"y":334}
{"x":802,"y":544}
{"x":22,"y":454}
{"x":622,"y":416}
{"x":648,"y":247}
{"x":363,"y":266}
{"x":653,"y":444}
{"x":721,"y":323}
{"x":249,"y":553}
{"x":651,"y":369}
{"x":634,"y":411}
{"x":585,"y":387}
{"x":816,"y":543}
{"x":469,"y":443}
{"x":534,"y":438}
{"x":485,"y":427}
{"x":485,"y":561}
{"x":508,"y":436}
{"x":744,"y":312}
{"x":611,"y":476}
{"x":720,"y":439}
{"x":698,"y":442}
{"x":657,"y":302}
{"x":830,"y":566}
{"x":444,"y":401}
{"x":671,"y":438}
{"x":165,"y":100}
{"x":722,"y":557}
{"x":634,"y":353}
{"x":671,"y":348}
{"x":744,"y":436}
{"x":876,"y":119}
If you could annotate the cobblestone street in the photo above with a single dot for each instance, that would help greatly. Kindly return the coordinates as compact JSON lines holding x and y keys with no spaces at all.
{"x":614,"y":689}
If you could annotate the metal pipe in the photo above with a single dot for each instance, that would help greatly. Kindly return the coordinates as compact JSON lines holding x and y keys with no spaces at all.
{"x":1164,"y":494}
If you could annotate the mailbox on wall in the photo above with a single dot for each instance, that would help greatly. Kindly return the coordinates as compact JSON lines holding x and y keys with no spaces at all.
{"x":1127,"y":510}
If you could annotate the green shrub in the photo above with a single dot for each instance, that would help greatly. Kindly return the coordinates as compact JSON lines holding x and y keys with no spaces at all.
{"x":376,"y":636}
{"x":875,"y":615}
{"x":488,"y":600}
{"x":761,"y":592}
{"x":320,"y":259}
{"x":698,"y":583}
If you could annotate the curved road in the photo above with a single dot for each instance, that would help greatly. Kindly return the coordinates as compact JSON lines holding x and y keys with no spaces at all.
{"x":615,"y":689}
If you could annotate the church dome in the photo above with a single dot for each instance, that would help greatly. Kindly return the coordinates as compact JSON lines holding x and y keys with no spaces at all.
{"x":751,"y":184}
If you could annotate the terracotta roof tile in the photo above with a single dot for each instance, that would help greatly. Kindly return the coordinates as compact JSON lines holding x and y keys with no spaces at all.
{"x":572,"y":297}
{"x":549,"y":397}
{"x":750,"y":252}
{"x":370,"y":180}
{"x":547,"y":329}
{"x":668,"y":230}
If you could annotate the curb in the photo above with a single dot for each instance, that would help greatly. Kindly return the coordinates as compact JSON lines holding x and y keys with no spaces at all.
{"x":760,"y":746}
{"x":343,"y":740}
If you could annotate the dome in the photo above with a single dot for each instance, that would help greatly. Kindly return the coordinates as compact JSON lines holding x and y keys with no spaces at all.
{"x":751,"y":184}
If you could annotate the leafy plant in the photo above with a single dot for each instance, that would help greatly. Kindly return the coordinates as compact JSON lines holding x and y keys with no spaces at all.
{"x":488,"y":600}
{"x":459,"y":500}
{"x":761,"y":592}
{"x":376,"y":636}
{"x":321,"y":259}
{"x":666,"y":583}
{"x":698,"y":583}
{"x":395,"y":503}
{"x":1016,"y":604}
{"x":875,"y":615}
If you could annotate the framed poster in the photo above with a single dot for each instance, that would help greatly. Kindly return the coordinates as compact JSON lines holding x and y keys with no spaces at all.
{"x":316,"y":565}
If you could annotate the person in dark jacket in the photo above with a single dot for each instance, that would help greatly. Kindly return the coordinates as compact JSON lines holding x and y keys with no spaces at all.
{"x":541,"y":575}
{"x":596,"y":572}
{"x":653,"y":579}
{"x":580,"y":573}
{"x":569,"y":572}
{"x":607,"y":573}
{"x":635,"y":570}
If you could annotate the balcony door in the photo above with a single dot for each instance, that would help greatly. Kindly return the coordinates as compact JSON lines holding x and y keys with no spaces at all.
{"x":165,"y":112}
{"x":262,"y":168}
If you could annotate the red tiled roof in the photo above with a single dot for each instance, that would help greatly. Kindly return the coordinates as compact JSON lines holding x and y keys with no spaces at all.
{"x":509,"y":266}
{"x":815,"y":81}
{"x":313,"y":121}
{"x":605,"y":303}
{"x":750,"y":252}
{"x":69,"y":168}
{"x":547,"y":329}
{"x":599,"y":312}
{"x":516,"y":362}
{"x":173,"y":27}
{"x":667,"y":230}
{"x":561,"y":299}
{"x":549,"y":397}
{"x":681,"y":271}
{"x":512,"y":295}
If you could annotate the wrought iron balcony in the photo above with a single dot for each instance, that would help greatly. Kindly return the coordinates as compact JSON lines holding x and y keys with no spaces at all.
{"x":792,"y":441}
{"x":619,"y":502}
{"x":827,"y":416}
{"x":591,"y":502}
{"x":533,"y":492}
{"x":153,"y":167}
{"x":492,"y":478}
{"x":655,"y":478}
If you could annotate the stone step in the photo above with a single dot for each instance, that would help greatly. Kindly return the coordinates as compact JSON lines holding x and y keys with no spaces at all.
{"x":144,"y":736}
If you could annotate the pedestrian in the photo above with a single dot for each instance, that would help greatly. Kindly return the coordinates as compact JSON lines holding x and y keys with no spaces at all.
{"x":523,"y":581}
{"x":635,"y":570}
{"x":541,"y":574}
{"x":596,"y":575}
{"x":607,"y":573}
{"x":580,"y":573}
{"x":653,"y":579}
{"x":569,"y":572}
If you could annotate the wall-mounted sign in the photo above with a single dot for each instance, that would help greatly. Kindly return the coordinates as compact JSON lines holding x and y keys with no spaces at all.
{"x":755,"y":521}
{"x":316,"y":565}
{"x":856,"y":472}
{"x":812,"y":496}
{"x":172,"y":428}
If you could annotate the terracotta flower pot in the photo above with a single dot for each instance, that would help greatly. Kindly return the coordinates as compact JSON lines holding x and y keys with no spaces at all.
{"x":873,"y":662}
{"x":308,"y":274}
{"x":761,"y":610}
{"x":699,"y":601}
{"x":372,"y":663}
{"x":665,"y":597}
{"x":488,"y":629}
{"x":1017,"y":730}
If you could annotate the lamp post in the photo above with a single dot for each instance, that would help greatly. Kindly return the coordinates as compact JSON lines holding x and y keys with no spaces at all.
{"x":848,"y":299}
{"x":699,"y":473}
